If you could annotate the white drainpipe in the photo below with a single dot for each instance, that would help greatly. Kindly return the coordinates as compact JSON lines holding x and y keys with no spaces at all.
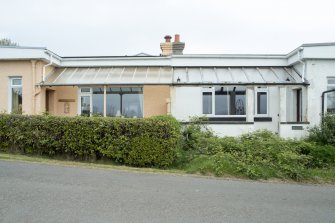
{"x":303,"y":65}
{"x":45,"y":66}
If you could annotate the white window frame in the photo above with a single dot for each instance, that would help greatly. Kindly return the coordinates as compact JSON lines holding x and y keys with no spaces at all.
{"x":328,"y":85}
{"x":10,"y":92}
{"x":261,"y":89}
{"x":208,"y":90}
{"x":90,"y":94}
{"x":212,"y":90}
{"x":81,"y":94}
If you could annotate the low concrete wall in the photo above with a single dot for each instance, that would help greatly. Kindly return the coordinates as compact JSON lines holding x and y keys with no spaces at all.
{"x":293,"y":130}
{"x":231,"y":129}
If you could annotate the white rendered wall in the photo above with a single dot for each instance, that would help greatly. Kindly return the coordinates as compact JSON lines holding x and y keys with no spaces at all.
{"x":231,"y":129}
{"x":186,"y":102}
{"x":317,"y":72}
{"x":287,"y":132}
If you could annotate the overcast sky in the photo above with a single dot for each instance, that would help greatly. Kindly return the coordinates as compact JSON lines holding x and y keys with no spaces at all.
{"x":127,"y":27}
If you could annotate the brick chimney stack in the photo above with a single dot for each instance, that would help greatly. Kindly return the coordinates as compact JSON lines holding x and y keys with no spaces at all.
{"x":167,"y":46}
{"x":176,"y":48}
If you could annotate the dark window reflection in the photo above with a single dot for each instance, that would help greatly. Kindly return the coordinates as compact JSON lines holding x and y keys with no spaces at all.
{"x":85,"y":105}
{"x":17,"y":100}
{"x":98,"y":101}
{"x":261,"y":103}
{"x":221,"y":101}
{"x":207,"y":103}
{"x":331,"y":100}
{"x":126,"y":102}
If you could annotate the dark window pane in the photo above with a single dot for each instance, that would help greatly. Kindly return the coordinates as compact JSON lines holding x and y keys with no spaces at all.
{"x":85,"y":105}
{"x":207,"y":103}
{"x":331,"y":81}
{"x":98,"y":101}
{"x":85,"y":90}
{"x":127,"y":102}
{"x":132,"y":105}
{"x":237,"y":101}
{"x":113,"y":104}
{"x":262,"y":103}
{"x":221,"y":101}
{"x":17,"y":100}
{"x":331,"y":100}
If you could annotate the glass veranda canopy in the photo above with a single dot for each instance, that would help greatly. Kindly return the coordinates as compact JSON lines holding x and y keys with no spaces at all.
{"x":72,"y":76}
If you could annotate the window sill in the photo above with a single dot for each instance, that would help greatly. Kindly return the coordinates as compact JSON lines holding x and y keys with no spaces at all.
{"x":294,"y":123}
{"x":227,"y":119}
{"x":262,"y":119}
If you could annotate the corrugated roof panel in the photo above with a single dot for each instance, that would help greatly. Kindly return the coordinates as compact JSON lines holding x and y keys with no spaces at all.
{"x":268,"y":75}
{"x":180,"y":75}
{"x":65,"y":75}
{"x":127,"y":75}
{"x":194,"y":75}
{"x":224,"y":75}
{"x":254,"y":75}
{"x":77,"y":75}
{"x":287,"y":74}
{"x":54,"y":75}
{"x":239,"y":75}
{"x":114,"y":75}
{"x":102,"y":76}
{"x":140,"y":75}
{"x":209,"y":75}
{"x":166,"y":75}
{"x":89,"y":76}
{"x":153,"y":75}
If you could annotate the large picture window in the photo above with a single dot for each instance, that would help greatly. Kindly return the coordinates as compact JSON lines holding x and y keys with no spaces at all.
{"x":125,"y":101}
{"x":331,"y":95}
{"x":228,"y":100}
{"x":15,"y":105}
{"x":120,"y":101}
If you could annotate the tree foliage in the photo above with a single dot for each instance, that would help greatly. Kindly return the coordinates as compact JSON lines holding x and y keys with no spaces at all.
{"x":7,"y":42}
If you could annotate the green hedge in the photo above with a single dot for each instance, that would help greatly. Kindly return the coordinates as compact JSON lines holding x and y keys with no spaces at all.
{"x":138,"y":142}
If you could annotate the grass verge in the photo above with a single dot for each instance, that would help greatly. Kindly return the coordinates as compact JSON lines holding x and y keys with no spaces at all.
{"x":97,"y":164}
{"x":198,"y":167}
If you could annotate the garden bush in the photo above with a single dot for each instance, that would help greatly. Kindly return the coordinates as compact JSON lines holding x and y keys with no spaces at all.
{"x":257,"y":155}
{"x":138,"y":142}
{"x":325,"y":132}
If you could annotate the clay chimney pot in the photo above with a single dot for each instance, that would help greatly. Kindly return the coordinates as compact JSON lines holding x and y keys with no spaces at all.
{"x":167,"y":38}
{"x":177,"y":38}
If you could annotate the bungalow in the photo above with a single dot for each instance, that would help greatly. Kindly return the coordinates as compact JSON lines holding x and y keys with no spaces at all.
{"x":239,"y":93}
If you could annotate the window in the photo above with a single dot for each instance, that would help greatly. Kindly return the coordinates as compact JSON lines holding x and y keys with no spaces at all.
{"x":262,"y":101}
{"x":227,"y":101}
{"x":15,"y":94}
{"x":98,"y":101}
{"x":85,"y":105}
{"x":207,"y":102}
{"x":331,"y":95}
{"x":125,"y":101}
{"x":298,"y":105}
{"x":120,"y":101}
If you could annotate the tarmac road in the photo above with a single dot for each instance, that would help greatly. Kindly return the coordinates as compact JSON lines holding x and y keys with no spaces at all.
{"x":31,"y":192}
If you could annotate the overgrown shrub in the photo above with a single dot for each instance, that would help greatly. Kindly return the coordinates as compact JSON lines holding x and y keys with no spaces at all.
{"x":325,"y":132}
{"x":256,"y":155}
{"x":138,"y":142}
